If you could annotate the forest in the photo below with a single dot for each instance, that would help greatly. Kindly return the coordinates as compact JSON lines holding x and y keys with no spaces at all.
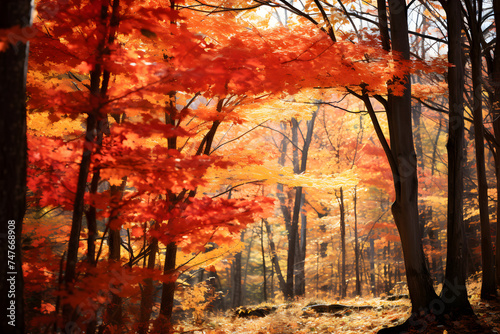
{"x":249,"y":166}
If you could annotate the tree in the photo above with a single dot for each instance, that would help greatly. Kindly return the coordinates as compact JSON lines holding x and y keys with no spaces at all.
{"x":457,"y":246}
{"x":15,"y":18}
{"x":474,"y":17}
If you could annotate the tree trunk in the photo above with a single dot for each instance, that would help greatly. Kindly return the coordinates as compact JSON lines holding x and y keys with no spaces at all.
{"x":91,"y":215}
{"x":356,"y":245}
{"x":13,"y":146}
{"x":274,"y":258}
{"x":343,"y":285}
{"x":301,"y":265}
{"x":488,"y":287}
{"x":115,"y":308}
{"x":495,"y":79}
{"x":372,"y":268}
{"x":245,"y":275}
{"x":454,"y":291}
{"x":148,"y":290}
{"x":264,"y":285}
{"x":168,"y":290}
{"x":236,"y":293}
{"x":405,"y":208}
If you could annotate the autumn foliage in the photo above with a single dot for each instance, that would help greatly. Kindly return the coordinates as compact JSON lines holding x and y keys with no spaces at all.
{"x":156,"y":136}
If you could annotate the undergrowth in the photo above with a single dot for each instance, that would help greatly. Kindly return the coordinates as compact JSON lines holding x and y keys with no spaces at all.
{"x":291,"y":318}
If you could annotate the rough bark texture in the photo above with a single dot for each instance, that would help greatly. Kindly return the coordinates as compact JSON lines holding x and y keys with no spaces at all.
{"x":488,"y":287}
{"x":454,"y":291}
{"x":496,"y":129}
{"x":405,"y":208}
{"x":13,"y":146}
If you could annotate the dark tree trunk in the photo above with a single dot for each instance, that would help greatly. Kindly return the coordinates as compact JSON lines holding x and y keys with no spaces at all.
{"x":356,"y":245}
{"x":275,"y":259}
{"x":99,"y":80}
{"x":454,"y":291}
{"x":13,"y":146}
{"x":168,"y":290}
{"x":293,"y":238}
{"x":264,"y":285}
{"x":496,"y":129}
{"x":488,"y":287}
{"x":245,"y":274}
{"x":343,"y":283}
{"x":372,"y":268}
{"x":91,"y":215}
{"x":300,"y":275}
{"x":236,"y":288}
{"x":148,"y":290}
{"x":115,"y":308}
{"x":405,"y":208}
{"x":293,"y":232}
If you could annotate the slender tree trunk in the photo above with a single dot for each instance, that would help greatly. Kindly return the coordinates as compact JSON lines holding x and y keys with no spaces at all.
{"x":454,"y":291}
{"x":496,"y":129}
{"x":293,"y":233}
{"x":99,"y":80}
{"x":245,"y":274}
{"x":274,"y":258}
{"x":301,"y":274}
{"x":356,"y":245}
{"x":148,"y":290}
{"x":115,"y":308}
{"x":236,"y":292}
{"x":264,"y":285}
{"x":76,"y":223}
{"x":91,"y":215}
{"x":343,"y":285}
{"x":372,"y":268}
{"x":488,"y":287}
{"x":168,"y":290}
{"x":13,"y":148}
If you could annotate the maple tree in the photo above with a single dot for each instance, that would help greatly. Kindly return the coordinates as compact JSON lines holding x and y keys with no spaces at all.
{"x":162,"y":130}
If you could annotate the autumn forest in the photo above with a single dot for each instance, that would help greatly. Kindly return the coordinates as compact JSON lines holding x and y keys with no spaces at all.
{"x":251,"y":166}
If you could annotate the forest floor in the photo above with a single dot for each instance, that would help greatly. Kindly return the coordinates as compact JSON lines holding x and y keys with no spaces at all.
{"x":292,"y":318}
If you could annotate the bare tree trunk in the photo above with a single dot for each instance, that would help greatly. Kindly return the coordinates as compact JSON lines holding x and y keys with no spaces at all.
{"x":13,"y":148}
{"x":264,"y":286}
{"x":372,"y":268}
{"x":301,"y":265}
{"x":236,"y":293}
{"x":148,"y":290}
{"x":343,"y":285}
{"x":168,"y":290}
{"x":496,"y":128}
{"x":274,"y":258}
{"x":455,"y":275}
{"x":402,"y":159}
{"x":115,"y":308}
{"x":245,"y":275}
{"x":293,"y":233}
{"x":488,"y":287}
{"x":356,"y":245}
